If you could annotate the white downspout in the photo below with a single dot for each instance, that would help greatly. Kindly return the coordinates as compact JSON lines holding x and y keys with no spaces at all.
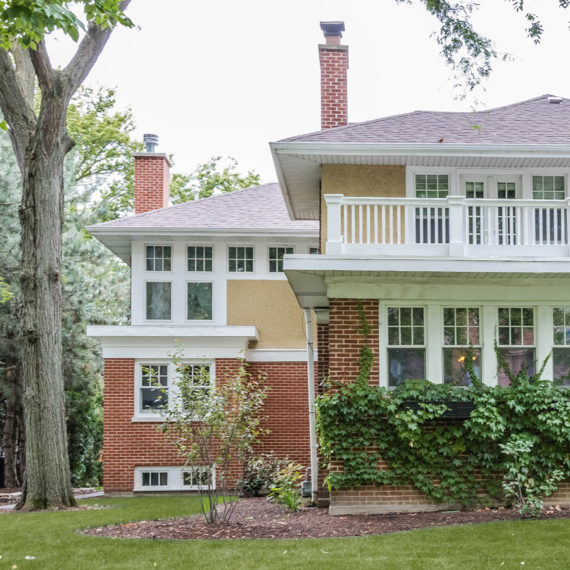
{"x":312,"y":409}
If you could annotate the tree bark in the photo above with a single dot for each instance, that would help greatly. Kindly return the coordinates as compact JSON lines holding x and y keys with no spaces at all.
{"x":11,"y":435}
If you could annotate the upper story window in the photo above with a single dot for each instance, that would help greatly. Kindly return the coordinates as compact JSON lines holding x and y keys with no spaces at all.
{"x":199,"y":301}
{"x":199,"y":258}
{"x":313,"y":251}
{"x":506,"y":190}
{"x":474,"y":189}
{"x":158,"y":304}
{"x":158,"y":258}
{"x":406,"y":344}
{"x":548,"y":188}
{"x":240,"y":259}
{"x":154,"y":387}
{"x":276,"y":258}
{"x":432,"y":185}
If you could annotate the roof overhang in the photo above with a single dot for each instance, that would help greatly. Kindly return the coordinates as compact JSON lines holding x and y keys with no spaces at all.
{"x":310,"y":275}
{"x":119,"y":240}
{"x":298,"y":164}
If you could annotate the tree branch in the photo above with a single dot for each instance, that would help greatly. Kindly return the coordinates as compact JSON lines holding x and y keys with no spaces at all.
{"x":42,"y":67}
{"x":87,"y":53}
{"x":24,"y":72}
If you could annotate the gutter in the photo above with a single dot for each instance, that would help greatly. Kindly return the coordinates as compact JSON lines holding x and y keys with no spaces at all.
{"x":312,"y":408}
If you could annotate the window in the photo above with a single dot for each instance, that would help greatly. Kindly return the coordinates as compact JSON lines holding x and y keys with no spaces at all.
{"x":199,"y":258}
{"x":506,"y":190}
{"x":158,"y":300}
{"x":199,"y":301}
{"x":276,"y":258}
{"x":158,"y":258}
{"x":196,"y":477}
{"x":240,"y":260}
{"x":313,"y":250}
{"x":432,"y":185}
{"x":195,"y":384}
{"x":460,"y":331}
{"x":474,"y":190}
{"x":516,"y":339}
{"x":154,"y":387}
{"x":154,"y":478}
{"x":548,"y":188}
{"x":406,"y":344}
{"x":561,"y":341}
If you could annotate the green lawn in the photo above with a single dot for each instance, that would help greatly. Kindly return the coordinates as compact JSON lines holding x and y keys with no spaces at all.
{"x":50,"y":538}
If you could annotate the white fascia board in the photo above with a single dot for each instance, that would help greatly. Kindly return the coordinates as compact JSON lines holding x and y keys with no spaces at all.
{"x":281,"y":180}
{"x":420,"y":149}
{"x":378,"y":264}
{"x":130,"y":232}
{"x":185,"y":332}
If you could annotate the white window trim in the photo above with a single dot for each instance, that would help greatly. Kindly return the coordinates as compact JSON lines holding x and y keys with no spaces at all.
{"x":175,"y":478}
{"x":172,"y":291}
{"x":197,"y":273}
{"x":155,"y":415}
{"x":172,"y":256}
{"x":200,"y":321}
{"x":488,"y":330}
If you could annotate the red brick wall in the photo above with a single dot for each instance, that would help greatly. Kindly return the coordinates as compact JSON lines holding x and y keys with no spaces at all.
{"x":323,"y":363}
{"x":345,"y":340}
{"x":129,"y":444}
{"x":334,"y":92}
{"x":152,"y":183}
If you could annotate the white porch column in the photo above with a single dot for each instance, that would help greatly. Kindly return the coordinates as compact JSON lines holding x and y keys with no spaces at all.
{"x":334,"y":237}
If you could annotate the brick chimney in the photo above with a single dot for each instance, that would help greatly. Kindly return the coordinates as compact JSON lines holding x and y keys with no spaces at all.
{"x":152,"y":177}
{"x":334,"y":65}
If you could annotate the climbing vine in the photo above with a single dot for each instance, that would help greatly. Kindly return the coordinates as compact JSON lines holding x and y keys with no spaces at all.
{"x":375,"y":436}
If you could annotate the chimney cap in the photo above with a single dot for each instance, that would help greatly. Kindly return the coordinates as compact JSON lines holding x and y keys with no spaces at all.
{"x":150,"y":142}
{"x":332,"y":29}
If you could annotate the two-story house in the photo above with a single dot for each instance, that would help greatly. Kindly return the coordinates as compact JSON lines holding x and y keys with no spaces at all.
{"x":448,"y":230}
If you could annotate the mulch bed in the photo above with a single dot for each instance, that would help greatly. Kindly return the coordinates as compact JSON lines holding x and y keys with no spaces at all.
{"x":259,"y":518}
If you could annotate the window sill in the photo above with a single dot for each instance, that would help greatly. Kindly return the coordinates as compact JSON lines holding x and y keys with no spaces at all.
{"x":147,"y":419}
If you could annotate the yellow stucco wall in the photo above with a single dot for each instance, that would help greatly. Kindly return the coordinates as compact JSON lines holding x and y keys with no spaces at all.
{"x":270,"y":306}
{"x":357,"y":180}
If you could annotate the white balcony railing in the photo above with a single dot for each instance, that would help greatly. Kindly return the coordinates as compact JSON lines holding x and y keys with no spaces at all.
{"x":452,"y":226}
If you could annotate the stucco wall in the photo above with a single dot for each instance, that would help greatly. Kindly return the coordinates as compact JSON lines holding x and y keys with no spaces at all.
{"x":357,"y":180}
{"x":272,"y":307}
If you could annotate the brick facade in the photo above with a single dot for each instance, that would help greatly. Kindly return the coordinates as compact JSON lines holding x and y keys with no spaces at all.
{"x":129,"y":444}
{"x":152,"y":182}
{"x":334,"y":90}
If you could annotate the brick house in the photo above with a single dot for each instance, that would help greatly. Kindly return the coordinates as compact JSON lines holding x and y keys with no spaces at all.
{"x":448,"y":229}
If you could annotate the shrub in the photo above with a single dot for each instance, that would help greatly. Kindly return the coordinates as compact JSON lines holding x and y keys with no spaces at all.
{"x":285,"y":489}
{"x":260,"y":472}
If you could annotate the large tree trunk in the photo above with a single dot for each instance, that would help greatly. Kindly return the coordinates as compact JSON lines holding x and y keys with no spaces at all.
{"x":47,"y":478}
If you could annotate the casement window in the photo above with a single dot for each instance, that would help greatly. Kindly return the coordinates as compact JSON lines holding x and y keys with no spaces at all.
{"x":406,"y":344}
{"x":240,"y":259}
{"x":158,"y":258}
{"x":548,"y":188}
{"x":276,"y":258}
{"x":153,"y":387}
{"x":461,"y":340}
{"x":561,"y":342}
{"x":199,"y":258}
{"x":516,"y":340}
{"x":173,"y":478}
{"x":158,"y":302}
{"x":199,"y":301}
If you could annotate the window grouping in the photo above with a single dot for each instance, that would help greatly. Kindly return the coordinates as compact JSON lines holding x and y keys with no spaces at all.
{"x":199,"y":301}
{"x":432,"y":185}
{"x":154,"y":387}
{"x":406,"y":344}
{"x":240,"y":259}
{"x":461,"y":340}
{"x":158,"y":258}
{"x":561,"y":341}
{"x":199,"y":258}
{"x":548,"y":188}
{"x":276,"y":258}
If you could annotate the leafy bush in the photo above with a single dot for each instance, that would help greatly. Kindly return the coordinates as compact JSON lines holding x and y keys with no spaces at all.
{"x":285,"y":489}
{"x":260,"y":473}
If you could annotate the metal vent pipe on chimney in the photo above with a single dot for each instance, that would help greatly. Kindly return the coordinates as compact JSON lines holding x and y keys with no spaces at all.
{"x":150,"y":142}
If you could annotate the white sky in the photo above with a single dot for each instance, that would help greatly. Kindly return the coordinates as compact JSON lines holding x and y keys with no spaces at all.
{"x":226,"y":77}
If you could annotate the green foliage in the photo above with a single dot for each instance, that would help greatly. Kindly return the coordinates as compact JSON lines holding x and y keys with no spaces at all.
{"x":448,"y":459}
{"x":259,"y":473}
{"x":217,"y":174}
{"x":29,"y":22}
{"x":212,"y":427}
{"x":285,"y":489}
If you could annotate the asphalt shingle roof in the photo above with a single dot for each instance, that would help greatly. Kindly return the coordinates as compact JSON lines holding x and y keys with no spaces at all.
{"x":260,"y":207}
{"x":535,"y":121}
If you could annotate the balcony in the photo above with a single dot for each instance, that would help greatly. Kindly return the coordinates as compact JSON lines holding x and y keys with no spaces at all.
{"x":450,"y":227}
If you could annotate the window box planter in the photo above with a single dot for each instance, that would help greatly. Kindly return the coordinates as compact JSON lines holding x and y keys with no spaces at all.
{"x":454,"y":409}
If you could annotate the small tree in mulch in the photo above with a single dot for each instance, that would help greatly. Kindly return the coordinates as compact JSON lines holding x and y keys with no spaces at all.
{"x":213,"y":428}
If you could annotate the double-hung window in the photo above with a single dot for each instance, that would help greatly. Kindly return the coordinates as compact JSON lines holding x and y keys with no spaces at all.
{"x":561,"y":341}
{"x":153,"y":387}
{"x":516,"y":339}
{"x":240,"y":259}
{"x":461,"y":340}
{"x":276,"y":258}
{"x":550,"y":227}
{"x":406,"y":344}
